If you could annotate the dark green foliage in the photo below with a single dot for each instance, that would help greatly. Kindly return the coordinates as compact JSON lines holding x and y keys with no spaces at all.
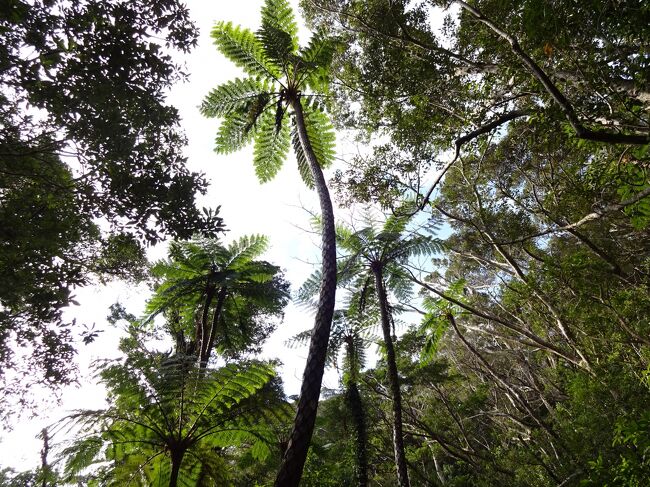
{"x":217,"y":297}
{"x":86,"y":135}
{"x":166,"y":412}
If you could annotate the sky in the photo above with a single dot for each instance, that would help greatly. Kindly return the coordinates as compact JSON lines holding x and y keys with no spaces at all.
{"x":275,"y":209}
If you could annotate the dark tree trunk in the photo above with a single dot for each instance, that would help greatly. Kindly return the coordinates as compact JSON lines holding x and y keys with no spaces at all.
{"x":296,"y":453}
{"x":354,"y":403}
{"x":393,"y":378}
{"x":177,"y":459}
{"x":208,"y":341}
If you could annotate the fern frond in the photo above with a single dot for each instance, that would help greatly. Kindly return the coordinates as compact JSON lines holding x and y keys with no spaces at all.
{"x":309,"y":289}
{"x":246,"y":249}
{"x":343,"y":232}
{"x":235,"y":132}
{"x":395,"y":223}
{"x":278,"y":45}
{"x":299,"y":340}
{"x":81,"y":454}
{"x":317,"y":57}
{"x":279,"y":15}
{"x":271,"y":148}
{"x":301,"y":158}
{"x":244,"y":49}
{"x":322,"y":138}
{"x":233,"y":96}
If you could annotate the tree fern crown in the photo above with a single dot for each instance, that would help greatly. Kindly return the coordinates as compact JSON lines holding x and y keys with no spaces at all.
{"x":278,"y":72}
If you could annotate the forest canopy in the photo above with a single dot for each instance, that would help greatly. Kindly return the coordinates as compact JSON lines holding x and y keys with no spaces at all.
{"x":484,"y":287}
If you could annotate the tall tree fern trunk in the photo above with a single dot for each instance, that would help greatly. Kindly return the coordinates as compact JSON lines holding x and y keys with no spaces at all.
{"x":393,"y":378}
{"x":355,"y":405}
{"x":296,"y":453}
{"x":177,"y":459}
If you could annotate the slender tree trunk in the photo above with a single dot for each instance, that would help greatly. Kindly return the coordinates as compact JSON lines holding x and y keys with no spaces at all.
{"x":354,"y":403}
{"x":208,"y":341}
{"x":296,"y":453}
{"x":177,"y":459}
{"x":393,"y":378}
{"x":45,"y":451}
{"x":201,"y":327}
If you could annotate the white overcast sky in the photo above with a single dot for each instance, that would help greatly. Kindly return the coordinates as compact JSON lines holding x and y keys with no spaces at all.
{"x":272,"y":209}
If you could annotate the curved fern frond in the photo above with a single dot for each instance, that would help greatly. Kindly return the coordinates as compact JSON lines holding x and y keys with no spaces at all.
{"x":278,"y":45}
{"x":397,"y":280}
{"x":299,"y":340}
{"x":309,"y":289}
{"x":246,"y":249}
{"x":244,"y":49}
{"x":279,"y":15}
{"x":317,"y":57}
{"x":234,"y":133}
{"x":301,"y":159}
{"x":237,"y":95}
{"x":81,"y":454}
{"x":395,"y":223}
{"x":348,"y":269}
{"x":271,"y":147}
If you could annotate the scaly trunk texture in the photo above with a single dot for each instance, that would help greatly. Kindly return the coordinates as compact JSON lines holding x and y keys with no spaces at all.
{"x":398,"y":435}
{"x":353,"y":399}
{"x":295,"y":455}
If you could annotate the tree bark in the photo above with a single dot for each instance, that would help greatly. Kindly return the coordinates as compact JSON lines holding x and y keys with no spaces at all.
{"x":353,"y":399}
{"x":177,"y":459}
{"x":295,"y":455}
{"x":393,"y":378}
{"x":208,"y":341}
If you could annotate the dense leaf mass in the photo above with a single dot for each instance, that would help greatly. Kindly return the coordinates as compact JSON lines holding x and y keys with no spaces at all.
{"x":87,"y":141}
{"x":504,"y":294}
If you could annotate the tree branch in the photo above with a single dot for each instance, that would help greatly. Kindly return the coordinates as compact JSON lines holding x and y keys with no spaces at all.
{"x":564,"y":104}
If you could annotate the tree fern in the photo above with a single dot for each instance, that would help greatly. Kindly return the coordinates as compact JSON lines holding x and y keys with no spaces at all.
{"x":178,"y":405}
{"x":243,"y":48}
{"x":233,"y":96}
{"x":215,"y":295}
{"x":271,"y":148}
{"x":273,"y":55}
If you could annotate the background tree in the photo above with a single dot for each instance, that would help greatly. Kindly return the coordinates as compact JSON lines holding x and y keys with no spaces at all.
{"x":373,"y":262}
{"x":349,"y":337}
{"x":168,"y":422}
{"x":443,"y":76}
{"x":86,"y":135}
{"x":217,"y":297}
{"x":256,"y":108}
